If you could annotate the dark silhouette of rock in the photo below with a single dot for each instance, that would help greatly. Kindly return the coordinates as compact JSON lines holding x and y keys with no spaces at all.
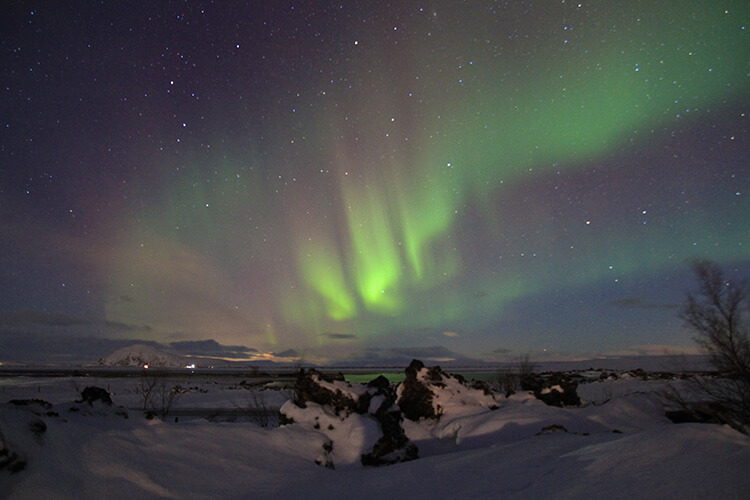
{"x":10,"y":460}
{"x":379,"y":383}
{"x":31,"y":402}
{"x":481,"y":386}
{"x":38,"y":427}
{"x":557,"y":389}
{"x":393,"y":446}
{"x":551,"y":429}
{"x":324,"y":459}
{"x":415,"y":400}
{"x":93,"y":394}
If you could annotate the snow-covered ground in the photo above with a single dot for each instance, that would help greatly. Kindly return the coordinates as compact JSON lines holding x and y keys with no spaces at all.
{"x":618,"y":444}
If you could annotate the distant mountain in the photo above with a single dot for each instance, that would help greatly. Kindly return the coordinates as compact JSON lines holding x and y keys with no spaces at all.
{"x":140,"y":355}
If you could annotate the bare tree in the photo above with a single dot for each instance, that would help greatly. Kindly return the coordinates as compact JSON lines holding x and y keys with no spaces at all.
{"x":714,"y":313}
{"x":156,"y":395}
{"x":510,"y":378}
{"x":256,"y":409}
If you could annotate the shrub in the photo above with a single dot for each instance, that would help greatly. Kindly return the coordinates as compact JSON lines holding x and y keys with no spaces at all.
{"x":714,"y":312}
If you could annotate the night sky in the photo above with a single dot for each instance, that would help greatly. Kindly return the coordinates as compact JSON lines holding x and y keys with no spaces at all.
{"x":358,"y":181}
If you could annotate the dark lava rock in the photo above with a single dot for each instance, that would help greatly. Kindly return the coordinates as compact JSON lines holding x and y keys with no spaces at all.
{"x":38,"y":407}
{"x":376,"y":399}
{"x":92,"y":394}
{"x":10,"y":460}
{"x":324,"y":459}
{"x":481,"y":386}
{"x":308,"y":389}
{"x":416,"y":397}
{"x":46,"y":405}
{"x":424,"y":390}
{"x":393,"y":446}
{"x":557,"y":389}
{"x":552,"y":429}
{"x":38,"y":427}
{"x":380,"y":383}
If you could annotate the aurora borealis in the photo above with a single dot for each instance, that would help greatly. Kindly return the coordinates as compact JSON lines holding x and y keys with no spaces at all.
{"x":342,"y":178}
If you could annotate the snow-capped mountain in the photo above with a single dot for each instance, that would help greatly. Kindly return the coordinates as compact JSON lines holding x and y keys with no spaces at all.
{"x":140,"y":355}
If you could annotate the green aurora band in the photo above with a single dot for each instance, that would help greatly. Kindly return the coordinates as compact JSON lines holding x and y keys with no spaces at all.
{"x":558,"y":113}
{"x":382,"y":248}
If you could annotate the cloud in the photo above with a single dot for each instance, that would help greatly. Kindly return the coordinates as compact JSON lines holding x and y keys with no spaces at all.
{"x":339,"y":336}
{"x":289,"y":353}
{"x":43,"y":322}
{"x":39,"y":318}
{"x":49,"y":337}
{"x":62,"y":348}
{"x":402,"y":356}
{"x":501,"y":351}
{"x":450,"y":334}
{"x":640,"y":303}
{"x":211,"y":347}
{"x":436,"y":351}
{"x":655,"y":350}
{"x":181,"y":290}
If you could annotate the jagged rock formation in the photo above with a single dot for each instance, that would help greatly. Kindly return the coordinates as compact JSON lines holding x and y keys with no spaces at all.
{"x":427,"y":392}
{"x":374,"y":413}
{"x":415,"y":397}
{"x":393,"y":446}
{"x":336,"y":407}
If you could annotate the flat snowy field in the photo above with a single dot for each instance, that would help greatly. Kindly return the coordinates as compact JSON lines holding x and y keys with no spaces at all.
{"x":618,"y":444}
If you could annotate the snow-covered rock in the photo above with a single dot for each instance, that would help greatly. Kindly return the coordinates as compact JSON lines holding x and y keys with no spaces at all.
{"x":142,"y":355}
{"x":365,"y":422}
{"x":430,"y":392}
{"x":361,"y":422}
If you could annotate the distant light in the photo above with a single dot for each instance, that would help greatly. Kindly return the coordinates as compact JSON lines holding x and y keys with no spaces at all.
{"x":190,"y":367}
{"x":145,"y":366}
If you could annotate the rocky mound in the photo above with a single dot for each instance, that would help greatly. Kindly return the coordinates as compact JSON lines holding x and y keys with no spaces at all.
{"x":361,"y":421}
{"x":364,"y":422}
{"x":429,"y":392}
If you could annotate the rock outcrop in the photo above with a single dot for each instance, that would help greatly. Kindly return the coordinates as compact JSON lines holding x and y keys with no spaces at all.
{"x":350,"y":415}
{"x":426,"y":392}
{"x":93,"y":394}
{"x":556,"y":389}
{"x":371,"y":416}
